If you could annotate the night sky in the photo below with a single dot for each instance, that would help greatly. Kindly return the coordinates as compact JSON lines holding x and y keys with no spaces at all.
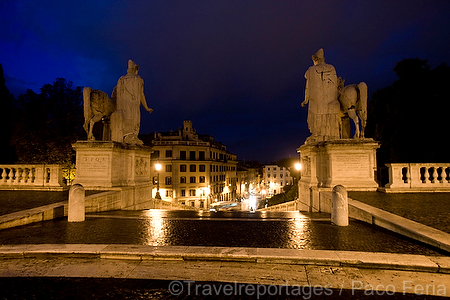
{"x":235,"y":68}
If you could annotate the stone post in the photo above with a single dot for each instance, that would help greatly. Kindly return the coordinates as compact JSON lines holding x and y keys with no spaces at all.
{"x":76,"y":211}
{"x":339,"y":206}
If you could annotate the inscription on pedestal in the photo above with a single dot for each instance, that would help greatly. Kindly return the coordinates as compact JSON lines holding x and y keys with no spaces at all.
{"x":93,"y":165}
{"x":351,"y":165}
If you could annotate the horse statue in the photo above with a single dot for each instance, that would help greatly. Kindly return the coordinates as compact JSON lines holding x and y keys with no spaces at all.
{"x":97,"y":105}
{"x":353,"y":100}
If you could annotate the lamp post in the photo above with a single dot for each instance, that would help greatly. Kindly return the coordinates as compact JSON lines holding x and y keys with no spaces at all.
{"x":157,"y":168}
{"x":298,"y":167}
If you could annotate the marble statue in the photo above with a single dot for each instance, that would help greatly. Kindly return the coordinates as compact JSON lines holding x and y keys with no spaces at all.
{"x":129,"y":95}
{"x":321,"y":93}
{"x":353,"y":100}
{"x":97,"y":105}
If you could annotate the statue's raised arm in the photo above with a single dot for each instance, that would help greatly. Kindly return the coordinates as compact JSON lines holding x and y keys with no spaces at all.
{"x":129,"y":94}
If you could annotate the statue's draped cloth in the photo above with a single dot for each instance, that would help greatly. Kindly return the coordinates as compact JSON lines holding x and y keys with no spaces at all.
{"x":129,"y":91}
{"x":323,"y":113}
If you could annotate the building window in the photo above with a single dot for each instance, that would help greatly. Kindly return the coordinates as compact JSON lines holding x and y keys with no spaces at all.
{"x":182,"y":179}
{"x":182,"y":168}
{"x":192,"y":193}
{"x":183,"y":155}
{"x":192,"y":179}
{"x":202,"y":168}
{"x":155,"y":154}
{"x":168,"y":168}
{"x":192,"y":155}
{"x":201,"y":155}
{"x":168,"y":180}
{"x":202,"y":204}
{"x":168,"y":153}
{"x":183,"y":193}
{"x":193,"y":168}
{"x":202,"y":179}
{"x":268,"y":175}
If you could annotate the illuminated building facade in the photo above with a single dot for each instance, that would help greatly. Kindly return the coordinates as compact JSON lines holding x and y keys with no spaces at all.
{"x":275,"y":178}
{"x":195,"y":170}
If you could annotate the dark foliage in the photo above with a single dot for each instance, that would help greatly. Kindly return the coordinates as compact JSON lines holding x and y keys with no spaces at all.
{"x":6,"y":111}
{"x":290,"y":194}
{"x":46,"y":124}
{"x":410,"y":117}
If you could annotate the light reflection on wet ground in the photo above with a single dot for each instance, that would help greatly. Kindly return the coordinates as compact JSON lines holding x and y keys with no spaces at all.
{"x":293,"y":230}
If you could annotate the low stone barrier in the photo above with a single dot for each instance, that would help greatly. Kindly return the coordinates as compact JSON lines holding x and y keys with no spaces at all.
{"x":372,"y":215}
{"x":286,"y":206}
{"x":32,"y":177}
{"x":119,"y":199}
{"x":418,"y":177}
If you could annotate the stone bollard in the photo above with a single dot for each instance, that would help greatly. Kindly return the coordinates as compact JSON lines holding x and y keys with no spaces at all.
{"x":76,"y":211}
{"x":339,"y":206}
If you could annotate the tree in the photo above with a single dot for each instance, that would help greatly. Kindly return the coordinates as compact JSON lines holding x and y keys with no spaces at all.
{"x":46,"y":124}
{"x":409,"y":117}
{"x":6,"y":111}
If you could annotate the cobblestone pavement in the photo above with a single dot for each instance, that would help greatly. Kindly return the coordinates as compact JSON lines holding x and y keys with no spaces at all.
{"x":431,"y":209}
{"x":293,"y":230}
{"x":13,"y":201}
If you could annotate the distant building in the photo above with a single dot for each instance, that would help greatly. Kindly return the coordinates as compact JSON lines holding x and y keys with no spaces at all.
{"x":195,"y":170}
{"x":275,"y":178}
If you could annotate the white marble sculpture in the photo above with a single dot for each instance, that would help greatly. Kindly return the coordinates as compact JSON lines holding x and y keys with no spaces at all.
{"x":353,"y":100}
{"x":97,"y":105}
{"x":129,"y":95}
{"x":322,"y":95}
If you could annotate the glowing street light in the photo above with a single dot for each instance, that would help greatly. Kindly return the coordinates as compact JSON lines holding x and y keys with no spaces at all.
{"x":157,"y":168}
{"x":298,"y":166}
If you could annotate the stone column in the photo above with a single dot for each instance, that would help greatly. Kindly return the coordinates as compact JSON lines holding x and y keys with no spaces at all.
{"x":76,"y":211}
{"x":339,"y":206}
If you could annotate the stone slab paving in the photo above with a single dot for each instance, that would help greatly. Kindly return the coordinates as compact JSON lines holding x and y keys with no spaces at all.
{"x":431,"y":209}
{"x":194,"y":273}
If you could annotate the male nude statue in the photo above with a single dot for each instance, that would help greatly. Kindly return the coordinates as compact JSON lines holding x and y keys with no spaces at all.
{"x":129,"y":94}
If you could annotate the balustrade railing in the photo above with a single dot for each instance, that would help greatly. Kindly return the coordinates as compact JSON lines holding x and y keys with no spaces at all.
{"x":418,"y":177}
{"x":31,"y":177}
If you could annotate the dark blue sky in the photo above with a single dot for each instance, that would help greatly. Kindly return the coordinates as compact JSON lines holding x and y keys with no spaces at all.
{"x":235,"y":68}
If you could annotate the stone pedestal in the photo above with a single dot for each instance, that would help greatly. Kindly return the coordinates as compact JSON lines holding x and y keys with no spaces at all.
{"x":106,"y":164}
{"x":347,"y":162}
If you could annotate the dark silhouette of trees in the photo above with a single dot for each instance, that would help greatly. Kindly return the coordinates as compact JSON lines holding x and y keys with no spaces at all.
{"x":46,"y":124}
{"x":410,"y":117}
{"x":6,"y":112}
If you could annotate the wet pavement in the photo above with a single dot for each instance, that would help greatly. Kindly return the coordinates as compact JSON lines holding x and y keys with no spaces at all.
{"x":291,"y":230}
{"x":431,"y":209}
{"x":13,"y":201}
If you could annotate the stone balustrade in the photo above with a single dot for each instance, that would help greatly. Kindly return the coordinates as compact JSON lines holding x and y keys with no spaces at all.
{"x":31,"y":177}
{"x":418,"y":177}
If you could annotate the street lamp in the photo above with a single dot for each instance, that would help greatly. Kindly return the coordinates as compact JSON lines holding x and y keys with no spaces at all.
{"x":157,"y":168}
